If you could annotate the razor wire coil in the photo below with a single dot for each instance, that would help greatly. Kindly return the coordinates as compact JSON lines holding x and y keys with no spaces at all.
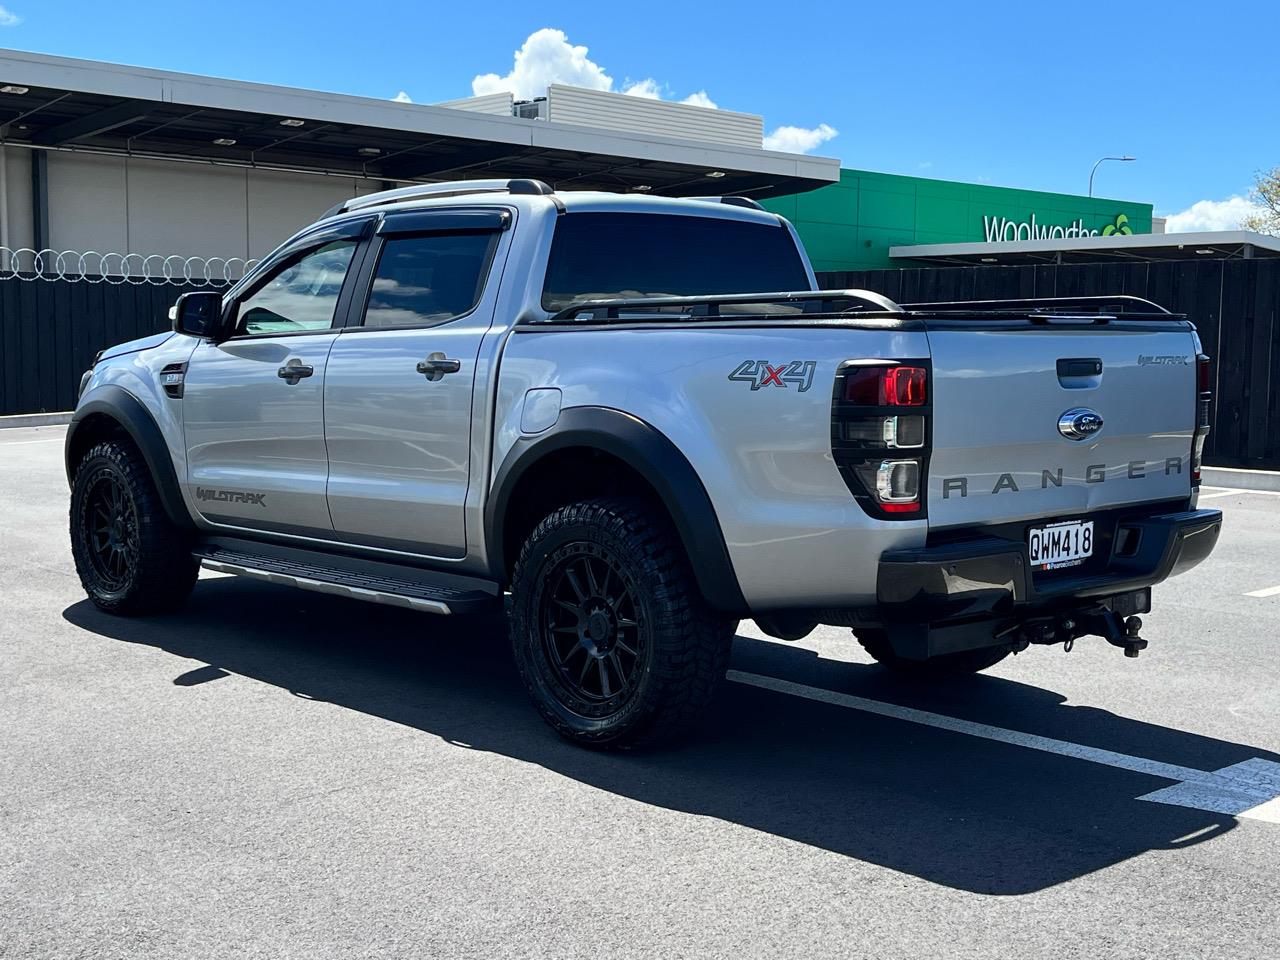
{"x":93,"y":266}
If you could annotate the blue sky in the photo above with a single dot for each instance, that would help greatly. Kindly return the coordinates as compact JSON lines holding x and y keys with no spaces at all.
{"x":1021,"y":94}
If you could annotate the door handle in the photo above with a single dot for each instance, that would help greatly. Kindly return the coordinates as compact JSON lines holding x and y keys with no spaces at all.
{"x":295,"y":370}
{"x":437,"y":365}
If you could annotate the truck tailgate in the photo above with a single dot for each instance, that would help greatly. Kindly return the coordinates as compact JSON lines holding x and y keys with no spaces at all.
{"x":999,"y":393}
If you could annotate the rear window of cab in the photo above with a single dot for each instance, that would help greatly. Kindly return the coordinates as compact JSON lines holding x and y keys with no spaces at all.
{"x":608,"y":255}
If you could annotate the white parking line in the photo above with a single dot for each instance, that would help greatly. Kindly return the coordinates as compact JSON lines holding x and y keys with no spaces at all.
{"x":1233,"y":492}
{"x":1266,"y":592}
{"x":1248,"y":789}
{"x":18,"y":443}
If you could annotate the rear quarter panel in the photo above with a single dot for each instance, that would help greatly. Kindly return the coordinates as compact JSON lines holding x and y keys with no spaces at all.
{"x":794,"y":532}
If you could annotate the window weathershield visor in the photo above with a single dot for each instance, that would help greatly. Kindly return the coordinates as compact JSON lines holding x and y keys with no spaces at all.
{"x":445,"y":221}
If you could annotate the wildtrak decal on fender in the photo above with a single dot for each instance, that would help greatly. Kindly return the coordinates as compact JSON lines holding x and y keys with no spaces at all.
{"x":1094,"y":473}
{"x":761,"y":373}
{"x":231,"y":496}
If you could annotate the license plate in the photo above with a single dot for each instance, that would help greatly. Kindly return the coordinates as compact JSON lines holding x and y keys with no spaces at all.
{"x":1059,"y":545}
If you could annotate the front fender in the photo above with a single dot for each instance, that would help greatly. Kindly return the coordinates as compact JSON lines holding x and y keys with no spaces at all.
{"x":116,"y":403}
{"x":655,"y":458}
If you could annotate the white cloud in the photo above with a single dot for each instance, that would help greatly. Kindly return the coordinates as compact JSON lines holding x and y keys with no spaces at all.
{"x":1212,"y":215}
{"x":646,"y":89}
{"x":8,"y":19}
{"x":402,"y":97}
{"x":700,"y":99}
{"x":650,"y":89}
{"x":546,"y":57}
{"x":799,"y":139}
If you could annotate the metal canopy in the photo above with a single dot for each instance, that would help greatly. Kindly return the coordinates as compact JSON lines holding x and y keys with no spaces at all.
{"x":97,"y":107}
{"x":1208,"y":245}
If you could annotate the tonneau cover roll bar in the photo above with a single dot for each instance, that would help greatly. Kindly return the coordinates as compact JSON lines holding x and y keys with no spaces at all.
{"x":1118,"y":304}
{"x":710,"y":306}
{"x":864,"y":303}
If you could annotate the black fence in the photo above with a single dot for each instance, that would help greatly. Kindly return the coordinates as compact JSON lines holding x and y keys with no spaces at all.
{"x":1233,"y":303}
{"x":51,"y":329}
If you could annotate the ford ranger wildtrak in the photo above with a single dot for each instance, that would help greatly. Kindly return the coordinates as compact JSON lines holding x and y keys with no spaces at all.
{"x":640,"y":419}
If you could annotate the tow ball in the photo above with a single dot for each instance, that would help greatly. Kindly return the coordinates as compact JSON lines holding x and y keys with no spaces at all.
{"x":1111,"y":627}
{"x":1118,"y":631}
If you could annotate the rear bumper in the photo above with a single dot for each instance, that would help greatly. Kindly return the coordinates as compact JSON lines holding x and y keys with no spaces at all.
{"x":988,"y":579}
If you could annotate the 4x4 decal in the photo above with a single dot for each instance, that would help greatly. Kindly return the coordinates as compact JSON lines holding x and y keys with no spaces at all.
{"x":761,"y":373}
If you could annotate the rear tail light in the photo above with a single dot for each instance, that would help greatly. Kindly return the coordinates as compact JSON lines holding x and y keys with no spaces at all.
{"x":898,"y":484}
{"x":871,"y":431}
{"x":896,"y":386}
{"x":1204,"y":395}
{"x":904,"y":432}
{"x":896,"y":433}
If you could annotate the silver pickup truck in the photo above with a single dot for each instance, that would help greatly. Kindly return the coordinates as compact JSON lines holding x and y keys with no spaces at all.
{"x":603,"y":406}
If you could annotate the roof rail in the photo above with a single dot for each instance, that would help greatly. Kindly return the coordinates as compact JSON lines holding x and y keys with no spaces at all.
{"x":595,"y":311}
{"x":454,"y":188}
{"x":731,"y":202}
{"x":1121,"y":303}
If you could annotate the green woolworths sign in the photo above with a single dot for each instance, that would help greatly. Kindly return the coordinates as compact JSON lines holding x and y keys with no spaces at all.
{"x":853,"y":224}
{"x":1002,"y":229}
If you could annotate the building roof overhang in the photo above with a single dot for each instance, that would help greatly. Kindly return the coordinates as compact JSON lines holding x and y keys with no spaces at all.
{"x":1217,"y":244}
{"x":98,"y":107}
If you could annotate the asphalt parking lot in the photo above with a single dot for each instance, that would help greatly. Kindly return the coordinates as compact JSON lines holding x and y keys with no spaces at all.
{"x":273,"y":773}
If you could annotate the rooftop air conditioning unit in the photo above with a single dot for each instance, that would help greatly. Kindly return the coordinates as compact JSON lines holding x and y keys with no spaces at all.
{"x":535,"y":109}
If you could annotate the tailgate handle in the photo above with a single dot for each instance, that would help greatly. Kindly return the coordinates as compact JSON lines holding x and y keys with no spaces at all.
{"x":1079,"y":367}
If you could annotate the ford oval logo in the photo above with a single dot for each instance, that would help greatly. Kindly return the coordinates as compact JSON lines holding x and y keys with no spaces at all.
{"x":1079,"y":423}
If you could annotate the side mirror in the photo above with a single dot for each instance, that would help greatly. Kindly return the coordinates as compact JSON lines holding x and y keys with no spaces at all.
{"x":197,"y":314}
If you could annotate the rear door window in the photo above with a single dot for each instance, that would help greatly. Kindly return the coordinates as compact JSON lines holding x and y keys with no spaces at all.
{"x":606,"y":255}
{"x":428,"y":279}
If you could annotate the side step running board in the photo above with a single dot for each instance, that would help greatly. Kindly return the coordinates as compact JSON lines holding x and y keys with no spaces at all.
{"x":408,"y":588}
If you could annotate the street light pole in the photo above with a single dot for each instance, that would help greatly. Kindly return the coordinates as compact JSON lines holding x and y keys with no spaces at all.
{"x":1095,"y":169}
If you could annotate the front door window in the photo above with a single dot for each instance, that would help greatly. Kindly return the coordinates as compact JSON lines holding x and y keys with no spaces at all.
{"x":302,"y":294}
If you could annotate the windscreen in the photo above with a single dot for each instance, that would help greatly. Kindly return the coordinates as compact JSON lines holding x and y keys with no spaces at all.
{"x":607,"y":255}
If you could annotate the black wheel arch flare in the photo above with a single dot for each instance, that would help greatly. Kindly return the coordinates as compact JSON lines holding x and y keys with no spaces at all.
{"x":131,"y":416}
{"x":662,"y":465}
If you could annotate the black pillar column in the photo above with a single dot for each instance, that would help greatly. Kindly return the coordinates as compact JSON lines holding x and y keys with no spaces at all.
{"x":40,"y":199}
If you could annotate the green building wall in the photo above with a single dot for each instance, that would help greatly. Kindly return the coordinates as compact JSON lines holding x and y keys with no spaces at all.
{"x":851,"y":225}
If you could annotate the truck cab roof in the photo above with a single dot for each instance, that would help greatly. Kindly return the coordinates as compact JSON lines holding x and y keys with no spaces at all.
{"x":534,"y":194}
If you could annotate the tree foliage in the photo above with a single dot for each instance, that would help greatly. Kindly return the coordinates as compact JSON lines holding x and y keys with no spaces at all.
{"x":1265,"y":195}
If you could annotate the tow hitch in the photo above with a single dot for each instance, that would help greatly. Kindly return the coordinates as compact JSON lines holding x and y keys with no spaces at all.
{"x":1118,"y":631}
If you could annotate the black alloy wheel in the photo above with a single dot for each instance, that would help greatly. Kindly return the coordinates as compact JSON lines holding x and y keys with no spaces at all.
{"x":612,"y":638}
{"x":591,"y":631}
{"x":131,"y":557}
{"x":111,"y":529}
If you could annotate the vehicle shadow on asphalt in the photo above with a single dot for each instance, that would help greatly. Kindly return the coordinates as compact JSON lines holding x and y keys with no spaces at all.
{"x":955,"y":810}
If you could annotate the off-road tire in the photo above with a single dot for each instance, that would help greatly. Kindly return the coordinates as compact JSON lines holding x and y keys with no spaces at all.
{"x":947,"y":665}
{"x":683,"y":644}
{"x":153,"y":570}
